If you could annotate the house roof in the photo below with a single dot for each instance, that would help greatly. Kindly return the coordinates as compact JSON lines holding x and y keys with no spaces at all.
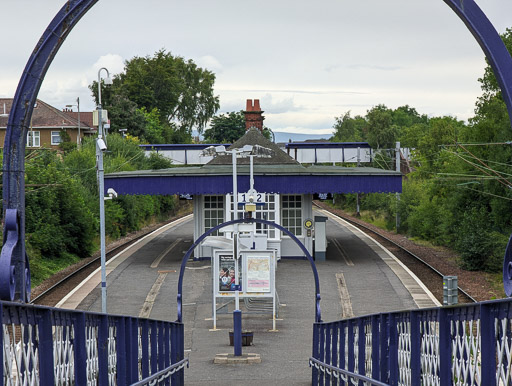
{"x":43,"y":116}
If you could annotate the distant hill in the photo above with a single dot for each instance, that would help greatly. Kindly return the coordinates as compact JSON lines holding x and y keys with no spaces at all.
{"x":285,"y":137}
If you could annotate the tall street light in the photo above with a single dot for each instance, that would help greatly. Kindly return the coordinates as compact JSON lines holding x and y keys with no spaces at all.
{"x":245,"y":151}
{"x":78,"y":107}
{"x":100,"y":148}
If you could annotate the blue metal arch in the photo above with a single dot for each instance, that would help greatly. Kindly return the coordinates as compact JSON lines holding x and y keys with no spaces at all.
{"x":47,"y":48}
{"x":318,"y":313}
{"x":16,"y":134}
{"x":490,"y":41}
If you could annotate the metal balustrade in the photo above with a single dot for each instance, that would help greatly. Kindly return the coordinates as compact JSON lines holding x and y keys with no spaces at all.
{"x":457,"y":345}
{"x":49,"y":346}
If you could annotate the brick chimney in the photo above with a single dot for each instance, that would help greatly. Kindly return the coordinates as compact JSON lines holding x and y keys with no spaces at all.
{"x":253,"y":115}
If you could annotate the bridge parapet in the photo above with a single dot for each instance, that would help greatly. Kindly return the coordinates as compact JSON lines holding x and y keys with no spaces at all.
{"x":47,"y":346}
{"x":463,"y":345}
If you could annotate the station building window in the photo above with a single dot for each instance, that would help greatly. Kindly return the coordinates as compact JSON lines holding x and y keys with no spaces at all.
{"x":34,"y":139}
{"x":213,"y":212}
{"x":269,"y":211}
{"x":291,"y":213}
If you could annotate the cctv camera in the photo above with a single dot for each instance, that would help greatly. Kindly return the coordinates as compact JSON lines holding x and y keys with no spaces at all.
{"x":101,"y":144}
{"x":111,"y":192}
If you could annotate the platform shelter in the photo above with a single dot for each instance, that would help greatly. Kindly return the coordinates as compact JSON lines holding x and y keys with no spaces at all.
{"x":288,"y":186}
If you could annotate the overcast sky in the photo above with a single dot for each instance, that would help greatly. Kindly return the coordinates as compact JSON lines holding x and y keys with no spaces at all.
{"x":307,"y":61}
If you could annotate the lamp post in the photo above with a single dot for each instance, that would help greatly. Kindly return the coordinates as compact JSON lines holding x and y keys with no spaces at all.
{"x":79,"y":122}
{"x":100,"y":148}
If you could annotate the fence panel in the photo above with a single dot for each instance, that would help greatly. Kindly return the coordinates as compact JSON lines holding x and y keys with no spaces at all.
{"x":44,"y":346}
{"x":457,"y":345}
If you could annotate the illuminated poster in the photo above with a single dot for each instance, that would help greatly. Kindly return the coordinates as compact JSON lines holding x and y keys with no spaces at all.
{"x":258,"y":274}
{"x":227,"y":273}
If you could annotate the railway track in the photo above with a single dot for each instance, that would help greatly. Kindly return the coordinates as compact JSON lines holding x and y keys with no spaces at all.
{"x":430,"y":276}
{"x":57,"y":290}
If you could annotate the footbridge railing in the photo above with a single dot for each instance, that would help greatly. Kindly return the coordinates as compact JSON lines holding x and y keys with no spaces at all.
{"x":458,"y":345}
{"x":49,"y":346}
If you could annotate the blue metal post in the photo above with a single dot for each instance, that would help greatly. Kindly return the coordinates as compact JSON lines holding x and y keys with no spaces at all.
{"x":384,"y":347}
{"x":237,"y":332}
{"x":445,"y":349}
{"x":350,"y":339}
{"x":167,"y":349}
{"x":80,"y":346}
{"x":362,"y":349}
{"x":46,"y":374}
{"x":328,"y":338}
{"x":488,"y":339}
{"x":315,"y":354}
{"x":375,"y":347}
{"x":415,"y":349}
{"x":393,"y":349}
{"x":334,"y":354}
{"x":103,"y":350}
{"x":343,"y":339}
{"x":154,"y":346}
{"x":321,"y":352}
{"x":145,"y":348}
{"x":122,"y":357}
{"x":161,"y":347}
{"x":180,"y":334}
{"x":132,"y":350}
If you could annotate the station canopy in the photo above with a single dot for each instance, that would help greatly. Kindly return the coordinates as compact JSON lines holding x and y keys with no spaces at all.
{"x":278,"y":173}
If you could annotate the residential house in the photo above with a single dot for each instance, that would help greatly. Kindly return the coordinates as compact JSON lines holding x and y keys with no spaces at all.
{"x":47,"y":124}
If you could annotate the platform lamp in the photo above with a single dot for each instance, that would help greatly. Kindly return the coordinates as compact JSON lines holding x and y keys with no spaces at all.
{"x":78,"y":109}
{"x":245,"y":151}
{"x":101,"y":147}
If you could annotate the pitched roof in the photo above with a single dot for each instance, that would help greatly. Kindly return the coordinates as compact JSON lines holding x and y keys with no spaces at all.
{"x":254,"y":137}
{"x":43,"y":116}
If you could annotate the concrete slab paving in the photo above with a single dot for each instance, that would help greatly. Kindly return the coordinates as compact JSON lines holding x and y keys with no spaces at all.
{"x":368,"y":282}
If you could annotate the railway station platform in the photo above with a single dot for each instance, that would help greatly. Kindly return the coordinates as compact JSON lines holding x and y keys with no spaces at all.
{"x":357,"y":278}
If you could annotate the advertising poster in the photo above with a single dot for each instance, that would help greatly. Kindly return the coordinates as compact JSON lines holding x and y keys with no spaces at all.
{"x":227,"y":273}
{"x":258,"y":274}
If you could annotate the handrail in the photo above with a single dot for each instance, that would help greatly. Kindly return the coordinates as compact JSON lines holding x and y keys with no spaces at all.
{"x":336,"y":371}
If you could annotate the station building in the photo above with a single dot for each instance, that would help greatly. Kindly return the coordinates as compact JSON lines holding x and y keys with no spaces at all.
{"x":288,"y":186}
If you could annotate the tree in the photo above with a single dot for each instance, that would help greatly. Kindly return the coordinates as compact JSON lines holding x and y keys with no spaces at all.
{"x":348,"y":129}
{"x":181,"y":91}
{"x":380,"y":131}
{"x":225,"y":128}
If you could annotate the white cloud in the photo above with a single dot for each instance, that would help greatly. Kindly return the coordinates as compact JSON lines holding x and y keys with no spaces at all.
{"x":210,"y":63}
{"x":112,"y":62}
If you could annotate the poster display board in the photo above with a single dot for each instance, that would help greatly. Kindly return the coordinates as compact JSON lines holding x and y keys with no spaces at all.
{"x":226,"y":271}
{"x":256,"y":270}
{"x":258,"y":274}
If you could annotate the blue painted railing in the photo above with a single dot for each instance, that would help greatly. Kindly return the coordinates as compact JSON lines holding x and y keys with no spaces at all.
{"x":459,"y":345}
{"x":49,"y":346}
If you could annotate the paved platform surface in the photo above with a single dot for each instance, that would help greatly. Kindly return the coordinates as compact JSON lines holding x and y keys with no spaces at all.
{"x":357,"y":278}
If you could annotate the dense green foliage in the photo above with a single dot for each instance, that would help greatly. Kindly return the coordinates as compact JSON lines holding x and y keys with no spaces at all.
{"x":459,"y":192}
{"x":225,"y":128}
{"x":160,"y":99}
{"x":62,"y":210}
